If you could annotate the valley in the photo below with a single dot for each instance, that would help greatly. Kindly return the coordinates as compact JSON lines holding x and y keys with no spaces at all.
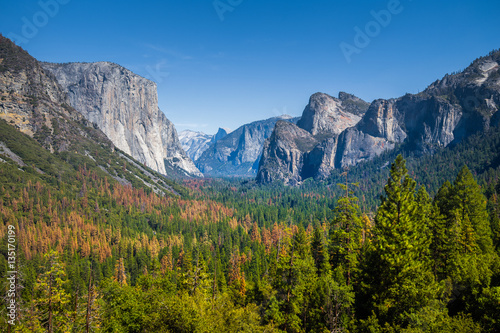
{"x":354,"y":217}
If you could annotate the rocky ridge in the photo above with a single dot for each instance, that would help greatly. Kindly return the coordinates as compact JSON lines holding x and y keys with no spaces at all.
{"x":445,"y":113}
{"x":33,"y":104}
{"x":32,"y":101}
{"x":296,"y":152}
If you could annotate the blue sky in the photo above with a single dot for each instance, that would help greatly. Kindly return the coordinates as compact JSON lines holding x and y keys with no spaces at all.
{"x":224,"y":63}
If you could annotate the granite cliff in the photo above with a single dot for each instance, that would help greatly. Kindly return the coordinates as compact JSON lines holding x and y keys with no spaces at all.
{"x":296,"y":152}
{"x":32,"y":101}
{"x":125,"y":107}
{"x":33,"y":104}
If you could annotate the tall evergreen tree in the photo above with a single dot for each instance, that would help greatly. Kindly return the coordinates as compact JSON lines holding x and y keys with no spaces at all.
{"x":469,"y":207}
{"x":292,"y":279}
{"x":346,"y":233}
{"x":320,"y":252}
{"x":398,"y":275}
{"x":470,"y":256}
{"x":439,"y":230}
{"x":300,"y":242}
{"x":120,"y":275}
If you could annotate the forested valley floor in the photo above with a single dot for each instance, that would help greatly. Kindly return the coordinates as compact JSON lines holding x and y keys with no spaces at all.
{"x":96,"y":255}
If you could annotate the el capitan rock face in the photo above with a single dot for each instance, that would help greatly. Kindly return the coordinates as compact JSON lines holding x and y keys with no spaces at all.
{"x":125,"y":107}
{"x":446,"y":112}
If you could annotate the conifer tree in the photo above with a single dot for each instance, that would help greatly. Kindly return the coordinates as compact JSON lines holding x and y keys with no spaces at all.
{"x":300,"y":242}
{"x":292,"y":278}
{"x":494,"y":213}
{"x":52,"y":301}
{"x":120,"y":276}
{"x":439,"y":229}
{"x":319,"y":252}
{"x":166,"y":262}
{"x":92,"y":310}
{"x":236,"y":279}
{"x":398,"y":272}
{"x":346,"y":235}
{"x":469,"y":206}
{"x":469,"y":252}
{"x":197,"y":278}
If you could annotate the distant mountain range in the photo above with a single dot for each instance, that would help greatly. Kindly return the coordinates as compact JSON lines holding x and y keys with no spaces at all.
{"x":45,"y":101}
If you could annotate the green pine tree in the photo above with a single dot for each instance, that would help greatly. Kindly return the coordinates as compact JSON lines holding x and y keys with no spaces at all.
{"x":471,"y":258}
{"x":440,"y":226}
{"x":53,"y":300}
{"x":398,"y":273}
{"x":319,"y":252}
{"x":346,"y":236}
{"x":469,"y":207}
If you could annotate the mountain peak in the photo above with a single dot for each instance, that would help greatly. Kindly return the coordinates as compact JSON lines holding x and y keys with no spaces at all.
{"x":238,"y":153}
{"x":326,"y":115}
{"x":220,"y":134}
{"x":195,"y":143}
{"x":345,"y":96}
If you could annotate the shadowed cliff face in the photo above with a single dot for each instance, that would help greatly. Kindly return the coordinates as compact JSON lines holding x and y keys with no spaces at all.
{"x":125,"y":107}
{"x":284,"y":153}
{"x":445,"y":113}
{"x":296,"y":152}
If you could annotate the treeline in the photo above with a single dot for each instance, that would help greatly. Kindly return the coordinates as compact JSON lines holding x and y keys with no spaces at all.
{"x":421,"y":264}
